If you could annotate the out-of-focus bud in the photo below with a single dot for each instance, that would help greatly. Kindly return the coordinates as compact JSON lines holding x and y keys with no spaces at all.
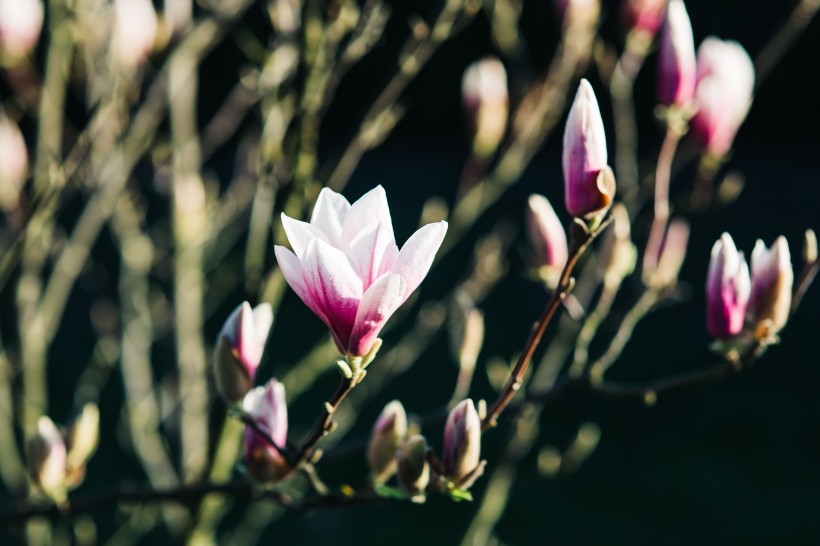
{"x":676,"y":58}
{"x":484,"y":95}
{"x":618,"y":253}
{"x":547,"y":239}
{"x":462,"y":443}
{"x":47,"y":459}
{"x":588,"y":182}
{"x":469,"y":338}
{"x":810,"y":246}
{"x":413,"y":468}
{"x":578,"y":12}
{"x":135,"y":31}
{"x":81,"y":442}
{"x":20,"y":25}
{"x":772,"y":280}
{"x":728,"y":288}
{"x":13,"y":162}
{"x":725,"y":83}
{"x":266,"y":406}
{"x":239,"y":349}
{"x":385,"y":439}
{"x":644,"y":15}
{"x":672,"y":255}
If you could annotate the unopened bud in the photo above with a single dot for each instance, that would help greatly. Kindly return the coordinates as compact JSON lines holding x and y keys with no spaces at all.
{"x":676,"y":58}
{"x":618,"y":253}
{"x":772,"y":280}
{"x":387,"y":436}
{"x":469,"y":338}
{"x":20,"y":25}
{"x":462,"y":442}
{"x":47,"y":459}
{"x":673,"y":253}
{"x":135,"y":31}
{"x":13,"y":163}
{"x":266,"y":406}
{"x":643,"y":15}
{"x":83,"y":437}
{"x":547,"y":238}
{"x":810,"y":247}
{"x":240,"y":348}
{"x":727,"y":290}
{"x":413,"y":468}
{"x":484,"y":95}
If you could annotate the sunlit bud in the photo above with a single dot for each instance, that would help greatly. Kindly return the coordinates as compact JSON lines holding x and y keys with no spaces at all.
{"x":578,"y":12}
{"x":676,"y":58}
{"x":462,"y":442}
{"x":725,"y":83}
{"x":728,"y":288}
{"x":772,"y":280}
{"x":644,"y":15}
{"x":385,"y":439}
{"x":588,"y":182}
{"x":469,"y":338}
{"x":618,"y":253}
{"x":20,"y":25}
{"x":239,"y":349}
{"x":413,"y":468}
{"x":47,"y":458}
{"x":83,"y":437}
{"x":266,"y":406}
{"x":484,"y":95}
{"x":547,"y":238}
{"x":13,"y":163}
{"x":810,"y":246}
{"x":135,"y":30}
{"x":673,"y":253}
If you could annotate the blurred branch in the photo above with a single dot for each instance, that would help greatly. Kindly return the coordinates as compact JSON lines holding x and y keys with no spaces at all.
{"x":779,"y":45}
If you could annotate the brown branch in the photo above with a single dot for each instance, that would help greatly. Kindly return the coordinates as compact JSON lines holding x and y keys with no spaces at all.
{"x":325,"y":423}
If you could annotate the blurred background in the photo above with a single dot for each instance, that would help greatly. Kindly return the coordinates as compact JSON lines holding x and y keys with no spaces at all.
{"x":737,"y":462}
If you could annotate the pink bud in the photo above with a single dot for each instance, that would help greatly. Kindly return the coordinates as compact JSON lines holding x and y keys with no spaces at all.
{"x":413,"y":468}
{"x":462,"y":442}
{"x":47,"y":458}
{"x":266,"y":406}
{"x":484,"y":95}
{"x":727,"y":289}
{"x":672,"y":254}
{"x":772,"y":280}
{"x":588,"y":181}
{"x":346,"y":266}
{"x":20,"y":24}
{"x":547,"y":237}
{"x":387,"y":435}
{"x":13,"y":163}
{"x":135,"y":30}
{"x":725,"y":83}
{"x":676,"y":59}
{"x":644,"y":15}
{"x":240,"y":348}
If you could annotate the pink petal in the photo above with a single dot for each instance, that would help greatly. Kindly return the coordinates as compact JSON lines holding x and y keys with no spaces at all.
{"x":378,"y":303}
{"x":371,"y":208}
{"x":294,"y":274}
{"x":300,"y":234}
{"x":369,"y":251}
{"x":329,"y":214}
{"x":416,"y":256}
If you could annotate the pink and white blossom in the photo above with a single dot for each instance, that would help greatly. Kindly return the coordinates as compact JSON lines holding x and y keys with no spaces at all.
{"x":728,"y":288}
{"x":240,"y":348}
{"x":676,"y":57}
{"x":267,"y":407}
{"x":772,"y":280}
{"x":346,"y":266}
{"x":547,"y":236}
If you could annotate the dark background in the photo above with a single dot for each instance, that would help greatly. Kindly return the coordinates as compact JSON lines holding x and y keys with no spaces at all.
{"x":733,"y":463}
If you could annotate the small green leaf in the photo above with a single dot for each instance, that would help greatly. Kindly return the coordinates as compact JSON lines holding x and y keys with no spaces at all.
{"x":389,"y":492}
{"x":460,"y":495}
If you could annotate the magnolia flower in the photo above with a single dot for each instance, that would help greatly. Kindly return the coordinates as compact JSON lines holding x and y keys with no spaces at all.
{"x":385,"y":439}
{"x":47,"y":458}
{"x":772,"y":280}
{"x":462,"y":444}
{"x":676,"y":60}
{"x":547,"y":237}
{"x":20,"y":25}
{"x":266,"y":406}
{"x":135,"y":30}
{"x":240,"y":348}
{"x":588,"y":181}
{"x":346,"y":267}
{"x":484,"y":95}
{"x":644,"y":15}
{"x":727,"y":289}
{"x":725,"y":83}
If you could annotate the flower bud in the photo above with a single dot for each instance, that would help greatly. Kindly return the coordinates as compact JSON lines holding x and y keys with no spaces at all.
{"x":266,"y":406}
{"x":725,"y":83}
{"x":240,"y":348}
{"x":728,"y":289}
{"x":468,"y":338}
{"x":672,"y":253}
{"x":13,"y":163}
{"x":135,"y":30}
{"x":588,"y":182}
{"x":547,"y":238}
{"x":618,"y":253}
{"x":484,"y":95}
{"x":462,"y":442}
{"x":772,"y":280}
{"x":643,"y":15}
{"x":47,"y":459}
{"x":385,"y":439}
{"x":20,"y":25}
{"x":676,"y":59}
{"x":83,"y":437}
{"x":413,"y":468}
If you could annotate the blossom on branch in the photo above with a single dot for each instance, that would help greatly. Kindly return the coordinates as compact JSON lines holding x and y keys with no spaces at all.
{"x":676,"y":59}
{"x":772,"y":280}
{"x":727,"y":289}
{"x":239,"y":349}
{"x":267,"y":407}
{"x":346,"y":266}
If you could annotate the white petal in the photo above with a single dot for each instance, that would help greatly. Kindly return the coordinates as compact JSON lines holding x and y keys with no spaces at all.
{"x":329,"y":214}
{"x":416,"y":256}
{"x":371,"y":208}
{"x":368,"y":250}
{"x":300,"y":234}
{"x":378,"y":303}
